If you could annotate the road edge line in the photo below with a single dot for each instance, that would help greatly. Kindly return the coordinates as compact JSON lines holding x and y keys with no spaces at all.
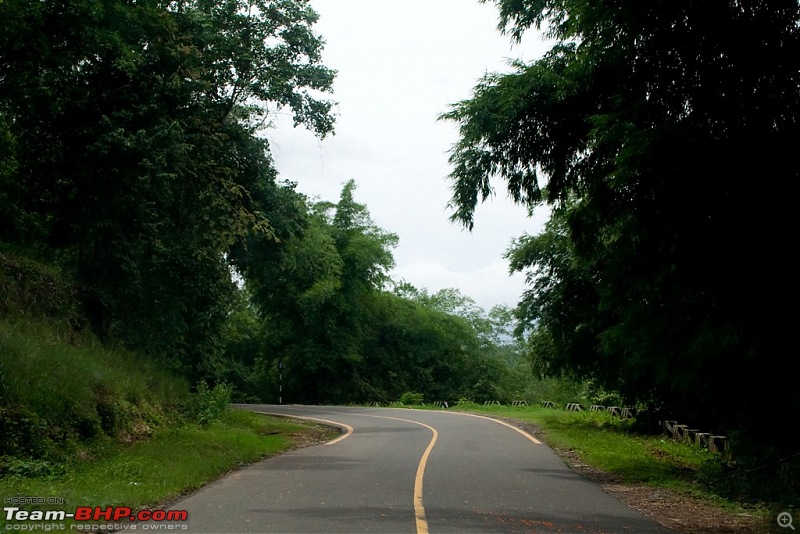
{"x":348,"y":429}
{"x":499,"y":422}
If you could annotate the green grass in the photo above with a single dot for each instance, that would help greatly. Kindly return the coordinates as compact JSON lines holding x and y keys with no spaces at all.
{"x":58,"y":383}
{"x":56,"y":395}
{"x":93,"y":425}
{"x":610,"y":445}
{"x":613,"y":446}
{"x":172,"y":462}
{"x":36,"y":360}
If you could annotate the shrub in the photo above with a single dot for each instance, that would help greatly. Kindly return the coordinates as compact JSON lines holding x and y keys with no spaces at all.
{"x":411,"y":397}
{"x":28,"y":468}
{"x":207,"y":405}
{"x":21,"y":432}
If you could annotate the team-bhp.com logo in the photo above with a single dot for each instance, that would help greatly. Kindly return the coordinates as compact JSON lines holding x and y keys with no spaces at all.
{"x":120,"y":516}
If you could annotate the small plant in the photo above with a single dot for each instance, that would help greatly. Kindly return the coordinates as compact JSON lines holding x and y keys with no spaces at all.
{"x":28,"y":468}
{"x":411,"y":397}
{"x":207,"y":405}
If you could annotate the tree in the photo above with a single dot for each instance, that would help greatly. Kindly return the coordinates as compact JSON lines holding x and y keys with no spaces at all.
{"x":314,"y":287}
{"x":409,"y":347}
{"x":134,"y":150}
{"x":661,"y":134}
{"x":485,"y":361}
{"x":321,"y":290}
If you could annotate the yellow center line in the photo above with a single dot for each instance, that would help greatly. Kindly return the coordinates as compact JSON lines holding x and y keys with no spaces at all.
{"x":419,"y":508}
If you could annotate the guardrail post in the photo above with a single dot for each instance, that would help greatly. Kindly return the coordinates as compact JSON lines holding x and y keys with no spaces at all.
{"x":667,"y":426}
{"x":677,"y":431}
{"x":718,"y":444}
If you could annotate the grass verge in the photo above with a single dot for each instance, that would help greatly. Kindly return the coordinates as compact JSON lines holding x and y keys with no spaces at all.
{"x":171,"y":463}
{"x":83,"y":423}
{"x":597,"y":441}
{"x":609,"y":444}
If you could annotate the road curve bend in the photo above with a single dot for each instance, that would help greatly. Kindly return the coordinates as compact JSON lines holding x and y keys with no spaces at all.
{"x":409,"y":471}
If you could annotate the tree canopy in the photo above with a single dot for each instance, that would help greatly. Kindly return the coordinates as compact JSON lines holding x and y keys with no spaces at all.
{"x":661,"y":135}
{"x":133,"y":159}
{"x":341,"y":334}
{"x":131,"y":152}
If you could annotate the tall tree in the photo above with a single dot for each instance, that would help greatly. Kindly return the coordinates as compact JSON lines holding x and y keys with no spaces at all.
{"x":314,"y":287}
{"x":136,"y":151}
{"x":661,"y":133}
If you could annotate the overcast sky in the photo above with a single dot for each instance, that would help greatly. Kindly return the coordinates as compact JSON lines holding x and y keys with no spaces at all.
{"x":400,"y":65}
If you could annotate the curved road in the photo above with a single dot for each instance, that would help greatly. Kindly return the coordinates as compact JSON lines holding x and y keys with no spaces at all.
{"x":397,"y":470}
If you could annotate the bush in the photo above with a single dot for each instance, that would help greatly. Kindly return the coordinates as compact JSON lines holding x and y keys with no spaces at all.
{"x":22,"y":431}
{"x":411,"y":397}
{"x":207,"y":405}
{"x":34,"y":290}
{"x":26,"y":468}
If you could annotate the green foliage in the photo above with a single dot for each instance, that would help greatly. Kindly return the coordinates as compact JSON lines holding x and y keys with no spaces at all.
{"x":314,"y":289}
{"x":556,"y":390}
{"x":22,"y":432}
{"x":321,"y":291}
{"x":110,"y":395}
{"x":641,"y":128}
{"x":762,"y":475}
{"x":208,"y":404}
{"x":132,"y":162}
{"x":82,"y":422}
{"x":410,"y":398}
{"x":30,"y":288}
{"x":19,"y":468}
{"x":131,"y":154}
{"x":173,"y":462}
{"x":240,"y":364}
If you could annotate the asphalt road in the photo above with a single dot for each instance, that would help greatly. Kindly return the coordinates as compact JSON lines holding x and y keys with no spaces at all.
{"x":397,"y":470}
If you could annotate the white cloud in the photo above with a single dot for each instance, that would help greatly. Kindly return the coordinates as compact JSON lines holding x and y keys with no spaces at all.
{"x":401,"y":64}
{"x":488,"y":285}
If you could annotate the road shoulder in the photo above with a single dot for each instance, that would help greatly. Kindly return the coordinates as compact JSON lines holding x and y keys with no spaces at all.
{"x":673,"y":509}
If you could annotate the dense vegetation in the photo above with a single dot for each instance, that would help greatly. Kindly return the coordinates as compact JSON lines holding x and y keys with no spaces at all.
{"x":320,"y":309}
{"x":129,"y":156}
{"x":661,"y":135}
{"x":133,"y":165}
